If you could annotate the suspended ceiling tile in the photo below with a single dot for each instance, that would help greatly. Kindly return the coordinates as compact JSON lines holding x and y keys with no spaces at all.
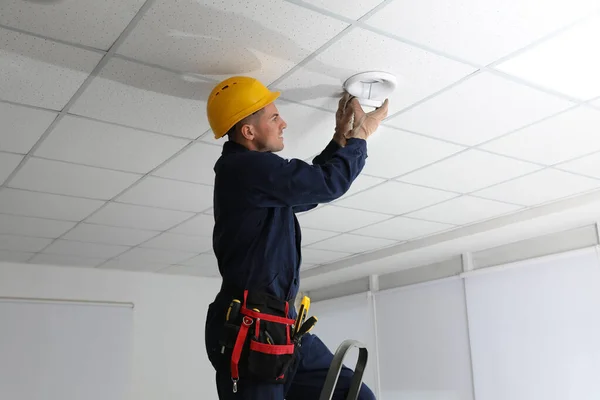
{"x":479,"y":109}
{"x":15,"y":256}
{"x":23,"y":243}
{"x":395,"y":198}
{"x":339,"y":219}
{"x":59,"y":177}
{"x":94,"y":233}
{"x":65,"y":260}
{"x":301,"y":139}
{"x":568,"y":63}
{"x":540,"y":187}
{"x":557,"y":139}
{"x":88,"y":22}
{"x":361,"y":183}
{"x":477,"y":31}
{"x":155,"y":256}
{"x":316,"y":256}
{"x":393,"y":152}
{"x":200,"y":225}
{"x":229,"y":38}
{"x":83,"y":249}
{"x":138,"y":217}
{"x":402,"y":228}
{"x":353,"y":9}
{"x":43,"y":205}
{"x":310,"y":236}
{"x":22,"y":127}
{"x":589,"y":165}
{"x":206,"y":260}
{"x":39,"y":72}
{"x":182,"y":270}
{"x":354,"y":244}
{"x":82,"y":141}
{"x":419,"y":73}
{"x":469,"y":171}
{"x":464,"y":210}
{"x":166,"y":193}
{"x":173,"y":241}
{"x":194,"y":164}
{"x":8,"y":163}
{"x":137,"y":266}
{"x":38,"y":227}
{"x":143,"y":97}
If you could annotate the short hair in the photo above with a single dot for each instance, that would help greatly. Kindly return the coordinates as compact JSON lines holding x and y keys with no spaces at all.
{"x":231,"y":132}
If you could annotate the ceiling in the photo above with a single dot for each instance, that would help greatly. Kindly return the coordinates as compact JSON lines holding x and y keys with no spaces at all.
{"x":106,"y":154}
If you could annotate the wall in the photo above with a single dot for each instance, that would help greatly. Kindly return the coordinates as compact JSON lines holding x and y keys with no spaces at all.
{"x":169,"y":359}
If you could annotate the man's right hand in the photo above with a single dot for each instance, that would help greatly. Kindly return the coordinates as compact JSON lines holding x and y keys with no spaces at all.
{"x":366,"y":123}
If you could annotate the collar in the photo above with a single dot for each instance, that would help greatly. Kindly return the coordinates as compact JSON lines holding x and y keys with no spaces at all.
{"x":231,"y":147}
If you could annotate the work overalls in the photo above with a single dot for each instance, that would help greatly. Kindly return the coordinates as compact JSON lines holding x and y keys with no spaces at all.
{"x":257,"y":241}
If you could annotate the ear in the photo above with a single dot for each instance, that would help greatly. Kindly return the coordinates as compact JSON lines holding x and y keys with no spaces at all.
{"x":247,"y":131}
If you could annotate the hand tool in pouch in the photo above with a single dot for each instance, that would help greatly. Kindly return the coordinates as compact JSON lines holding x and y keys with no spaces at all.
{"x":302,"y":312}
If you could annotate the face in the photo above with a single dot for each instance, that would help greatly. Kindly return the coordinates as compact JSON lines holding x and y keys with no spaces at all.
{"x":266,"y":130}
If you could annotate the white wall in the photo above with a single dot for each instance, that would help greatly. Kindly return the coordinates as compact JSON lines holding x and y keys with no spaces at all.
{"x":169,"y":357}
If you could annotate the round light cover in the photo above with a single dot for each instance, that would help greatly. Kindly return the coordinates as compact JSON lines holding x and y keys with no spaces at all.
{"x":371,"y":88}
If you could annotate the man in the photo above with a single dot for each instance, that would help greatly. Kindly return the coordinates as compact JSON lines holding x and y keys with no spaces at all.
{"x":257,"y":238}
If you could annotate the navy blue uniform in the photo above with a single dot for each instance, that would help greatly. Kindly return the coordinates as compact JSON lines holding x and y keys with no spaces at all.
{"x":257,"y":241}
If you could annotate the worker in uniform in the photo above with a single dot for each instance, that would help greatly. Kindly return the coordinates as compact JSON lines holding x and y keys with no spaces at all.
{"x":257,"y":238}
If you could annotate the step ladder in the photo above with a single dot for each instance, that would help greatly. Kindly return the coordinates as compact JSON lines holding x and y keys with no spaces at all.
{"x":336,"y":367}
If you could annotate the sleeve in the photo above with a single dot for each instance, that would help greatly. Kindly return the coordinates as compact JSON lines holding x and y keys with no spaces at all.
{"x":275,"y":182}
{"x":320,"y":159}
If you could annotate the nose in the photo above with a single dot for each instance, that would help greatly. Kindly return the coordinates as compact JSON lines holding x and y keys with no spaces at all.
{"x":283,"y":124}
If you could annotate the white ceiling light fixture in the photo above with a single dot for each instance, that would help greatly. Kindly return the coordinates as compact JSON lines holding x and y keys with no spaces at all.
{"x":371,"y":88}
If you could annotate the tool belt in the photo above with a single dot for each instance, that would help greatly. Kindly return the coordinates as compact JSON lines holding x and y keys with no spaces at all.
{"x":257,"y":335}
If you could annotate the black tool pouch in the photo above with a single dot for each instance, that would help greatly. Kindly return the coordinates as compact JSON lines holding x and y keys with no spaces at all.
{"x":261,"y":344}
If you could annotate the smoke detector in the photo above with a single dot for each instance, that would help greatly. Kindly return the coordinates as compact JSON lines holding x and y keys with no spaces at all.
{"x":371,"y":88}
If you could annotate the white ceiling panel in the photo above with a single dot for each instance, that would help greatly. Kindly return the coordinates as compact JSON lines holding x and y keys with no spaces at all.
{"x":38,"y":227}
{"x":173,"y":241}
{"x":479,"y":109}
{"x":200,"y":225}
{"x":316,"y":256}
{"x":138,"y":217}
{"x":557,"y":139}
{"x":22,"y":127}
{"x":218,"y":38}
{"x":469,"y":171}
{"x":419,"y":73}
{"x":71,"y":179}
{"x":589,"y":165}
{"x":310,"y":236}
{"x":540,"y":187}
{"x":568,"y":63}
{"x":478,"y":31}
{"x":166,"y":193}
{"x":354,"y":244}
{"x":302,"y":140}
{"x":148,"y":98}
{"x":157,"y":256}
{"x":98,"y":144}
{"x":137,"y":266}
{"x":194,"y":164}
{"x":402,"y":228}
{"x":40,"y":72}
{"x":190,"y":271}
{"x":84,"y":249}
{"x":8,"y":163}
{"x":464,"y":210}
{"x":339,"y":219}
{"x":393,"y":152}
{"x":43,"y":205}
{"x":65,"y":260}
{"x":395,"y":198}
{"x":14,"y":256}
{"x":23,"y":243}
{"x":353,"y":9}
{"x":206,"y":260}
{"x":362,"y":182}
{"x":88,"y":22}
{"x":109,"y":234}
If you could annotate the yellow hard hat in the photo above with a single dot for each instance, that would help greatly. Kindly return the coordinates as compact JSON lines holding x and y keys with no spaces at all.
{"x":234,"y":99}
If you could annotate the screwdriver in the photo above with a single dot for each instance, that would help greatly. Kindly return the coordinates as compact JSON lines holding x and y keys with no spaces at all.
{"x":305,"y":328}
{"x":232,"y":313}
